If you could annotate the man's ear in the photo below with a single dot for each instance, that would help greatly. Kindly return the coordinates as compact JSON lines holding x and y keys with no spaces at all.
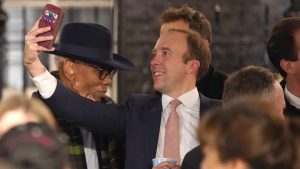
{"x":68,"y":68}
{"x":287,"y":66}
{"x":193,"y":66}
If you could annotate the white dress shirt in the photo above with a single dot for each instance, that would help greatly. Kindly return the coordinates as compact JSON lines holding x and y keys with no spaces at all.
{"x":46,"y":84}
{"x":90,"y":151}
{"x":189,"y":119}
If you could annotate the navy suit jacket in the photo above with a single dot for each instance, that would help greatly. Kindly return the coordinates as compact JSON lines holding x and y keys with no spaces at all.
{"x":192,"y":159}
{"x":136,"y":122}
{"x":212,"y":84}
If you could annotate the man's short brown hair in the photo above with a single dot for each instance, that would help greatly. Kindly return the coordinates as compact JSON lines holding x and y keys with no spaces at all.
{"x":249,"y":81}
{"x":197,"y":49}
{"x":246,"y":130}
{"x":195,"y":19}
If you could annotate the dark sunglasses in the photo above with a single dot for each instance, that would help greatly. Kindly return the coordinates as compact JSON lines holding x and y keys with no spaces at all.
{"x":103,"y":73}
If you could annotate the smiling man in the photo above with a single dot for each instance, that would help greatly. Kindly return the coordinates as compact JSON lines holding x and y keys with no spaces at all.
{"x":178,"y":57}
{"x":185,"y":17}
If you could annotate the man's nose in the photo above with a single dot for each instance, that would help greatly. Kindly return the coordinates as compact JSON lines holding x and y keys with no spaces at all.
{"x":107,"y":80}
{"x":154,"y":60}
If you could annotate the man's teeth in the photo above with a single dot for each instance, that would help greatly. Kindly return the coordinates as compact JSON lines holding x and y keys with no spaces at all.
{"x":157,"y":73}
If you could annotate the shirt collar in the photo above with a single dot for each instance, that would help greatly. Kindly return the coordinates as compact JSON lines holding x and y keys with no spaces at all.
{"x":294,"y":100}
{"x":188,"y":99}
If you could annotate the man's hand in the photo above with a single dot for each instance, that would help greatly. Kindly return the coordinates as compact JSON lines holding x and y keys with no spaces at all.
{"x":167,"y":165}
{"x":32,"y":49}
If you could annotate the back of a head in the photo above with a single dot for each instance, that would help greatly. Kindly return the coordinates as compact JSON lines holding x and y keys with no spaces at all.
{"x":195,"y":19}
{"x":246,"y":130}
{"x":4,"y":164}
{"x":294,"y":128}
{"x":30,"y":107}
{"x":33,"y":146}
{"x":248,"y":81}
{"x":281,"y":44}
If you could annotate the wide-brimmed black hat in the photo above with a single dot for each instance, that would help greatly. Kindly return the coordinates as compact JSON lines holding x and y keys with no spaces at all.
{"x":90,"y":43}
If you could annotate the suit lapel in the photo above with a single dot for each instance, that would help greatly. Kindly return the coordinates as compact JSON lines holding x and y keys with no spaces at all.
{"x":202,"y":104}
{"x":151,"y":128}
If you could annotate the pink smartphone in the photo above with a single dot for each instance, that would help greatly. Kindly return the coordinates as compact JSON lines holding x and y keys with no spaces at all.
{"x":51,"y":16}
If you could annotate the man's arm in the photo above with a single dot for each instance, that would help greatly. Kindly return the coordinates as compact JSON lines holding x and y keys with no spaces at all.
{"x":104,"y":119}
{"x":64,"y":103}
{"x":32,"y":50}
{"x":44,"y":81}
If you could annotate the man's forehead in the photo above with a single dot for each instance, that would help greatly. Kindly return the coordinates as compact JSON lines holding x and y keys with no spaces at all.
{"x":178,"y":24}
{"x":173,"y":34}
{"x":171,"y":40}
{"x":170,"y":37}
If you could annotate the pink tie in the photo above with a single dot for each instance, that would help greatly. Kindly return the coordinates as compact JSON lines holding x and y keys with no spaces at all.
{"x":172,"y":139}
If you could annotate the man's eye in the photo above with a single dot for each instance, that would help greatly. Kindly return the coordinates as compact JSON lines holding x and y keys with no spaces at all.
{"x":166,"y":53}
{"x":153,"y":54}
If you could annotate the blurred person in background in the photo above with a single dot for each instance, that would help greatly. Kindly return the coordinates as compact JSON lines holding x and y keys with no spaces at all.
{"x":294,"y":128}
{"x":20,"y":109}
{"x":249,"y":81}
{"x":4,"y":164}
{"x":245,"y":134}
{"x":255,"y":81}
{"x":33,"y":146}
{"x":283,"y":50}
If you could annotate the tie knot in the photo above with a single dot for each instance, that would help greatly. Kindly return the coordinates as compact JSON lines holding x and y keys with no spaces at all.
{"x":175,"y":103}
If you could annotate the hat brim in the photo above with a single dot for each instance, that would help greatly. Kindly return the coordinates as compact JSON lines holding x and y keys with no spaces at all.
{"x":117,"y":62}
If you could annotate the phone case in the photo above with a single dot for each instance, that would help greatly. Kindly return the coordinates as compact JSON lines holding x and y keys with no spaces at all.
{"x":52,"y":16}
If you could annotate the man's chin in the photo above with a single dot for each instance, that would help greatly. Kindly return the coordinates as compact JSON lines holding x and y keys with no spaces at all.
{"x":157,"y":88}
{"x":98,"y":98}
{"x":94,"y":98}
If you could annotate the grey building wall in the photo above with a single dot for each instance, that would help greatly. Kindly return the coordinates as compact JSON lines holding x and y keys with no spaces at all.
{"x":240,"y":30}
